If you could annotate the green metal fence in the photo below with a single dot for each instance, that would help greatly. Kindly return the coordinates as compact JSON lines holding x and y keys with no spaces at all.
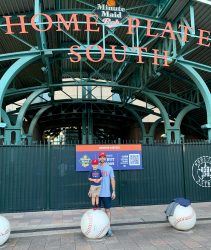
{"x":41,"y":177}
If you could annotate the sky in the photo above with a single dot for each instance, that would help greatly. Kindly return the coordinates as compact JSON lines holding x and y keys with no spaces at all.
{"x":205,"y":1}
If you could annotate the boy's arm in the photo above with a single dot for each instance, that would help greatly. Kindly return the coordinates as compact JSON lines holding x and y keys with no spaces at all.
{"x":90,"y":176}
{"x":99,"y":180}
{"x":101,"y":177}
{"x":93,"y":180}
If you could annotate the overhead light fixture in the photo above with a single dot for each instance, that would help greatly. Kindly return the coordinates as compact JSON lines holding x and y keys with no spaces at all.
{"x":44,"y":69}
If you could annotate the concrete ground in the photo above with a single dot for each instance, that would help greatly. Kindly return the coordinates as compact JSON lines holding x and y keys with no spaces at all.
{"x":143,"y":227}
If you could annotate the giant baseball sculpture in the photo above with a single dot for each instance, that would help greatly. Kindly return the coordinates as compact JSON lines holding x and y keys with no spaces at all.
{"x":95,"y":224}
{"x":4,"y":230}
{"x":184,"y":218}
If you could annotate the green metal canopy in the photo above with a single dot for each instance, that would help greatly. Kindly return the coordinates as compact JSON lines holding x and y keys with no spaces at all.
{"x":70,"y":69}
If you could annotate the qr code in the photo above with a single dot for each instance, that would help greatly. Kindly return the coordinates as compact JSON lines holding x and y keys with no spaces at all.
{"x":134,"y":160}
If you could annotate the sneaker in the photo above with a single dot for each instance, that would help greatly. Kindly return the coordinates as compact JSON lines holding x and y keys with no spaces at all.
{"x":109,"y":233}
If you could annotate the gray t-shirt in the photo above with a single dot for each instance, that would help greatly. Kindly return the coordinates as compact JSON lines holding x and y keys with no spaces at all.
{"x":107,"y":173}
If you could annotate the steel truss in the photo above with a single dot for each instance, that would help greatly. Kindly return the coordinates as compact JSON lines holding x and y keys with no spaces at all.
{"x":137,"y":83}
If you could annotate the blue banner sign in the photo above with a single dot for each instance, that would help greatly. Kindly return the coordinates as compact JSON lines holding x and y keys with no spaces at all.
{"x":119,"y":157}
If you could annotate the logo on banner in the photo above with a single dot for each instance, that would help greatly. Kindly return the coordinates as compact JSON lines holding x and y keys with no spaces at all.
{"x":110,"y":13}
{"x":201,"y":171}
{"x":85,"y":161}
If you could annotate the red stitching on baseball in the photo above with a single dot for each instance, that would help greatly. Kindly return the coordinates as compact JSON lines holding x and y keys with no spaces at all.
{"x":183,"y":218}
{"x":90,"y":225}
{"x":6,"y":232}
{"x":101,"y":231}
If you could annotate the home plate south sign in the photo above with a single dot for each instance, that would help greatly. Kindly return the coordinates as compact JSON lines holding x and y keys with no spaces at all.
{"x":110,"y":13}
{"x":201,"y":171}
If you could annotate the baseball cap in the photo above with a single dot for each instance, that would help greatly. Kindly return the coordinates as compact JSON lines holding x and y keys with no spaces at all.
{"x":102,"y":154}
{"x":95,"y":162}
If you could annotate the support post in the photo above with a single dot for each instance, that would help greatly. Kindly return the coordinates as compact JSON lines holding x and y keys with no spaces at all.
{"x":90,"y":126}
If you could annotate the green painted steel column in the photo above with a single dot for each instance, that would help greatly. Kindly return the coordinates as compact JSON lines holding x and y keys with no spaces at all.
{"x":84,"y":92}
{"x":148,"y":139}
{"x":8,"y":133}
{"x":5,"y":118}
{"x":18,"y":136}
{"x":29,"y":138}
{"x":204,"y":90}
{"x":89,"y":90}
{"x":151,"y":134}
{"x":139,"y":119}
{"x":7,"y":136}
{"x":90,"y":126}
{"x":178,"y":122}
{"x":176,"y":135}
{"x":84,"y":125}
{"x":164,"y":114}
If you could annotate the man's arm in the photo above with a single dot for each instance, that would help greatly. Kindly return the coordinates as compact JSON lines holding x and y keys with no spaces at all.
{"x":113,"y":185}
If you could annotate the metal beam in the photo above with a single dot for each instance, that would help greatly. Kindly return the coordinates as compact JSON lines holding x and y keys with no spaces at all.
{"x":138,"y":118}
{"x":195,"y":65}
{"x":42,"y":40}
{"x":5,"y":118}
{"x":26,"y":105}
{"x":205,"y":92}
{"x":172,"y":96}
{"x":36,"y":118}
{"x":182,"y":114}
{"x":18,"y":55}
{"x":10,"y":74}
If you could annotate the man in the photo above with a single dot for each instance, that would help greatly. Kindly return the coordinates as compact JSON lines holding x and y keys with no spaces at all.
{"x":108,"y":180}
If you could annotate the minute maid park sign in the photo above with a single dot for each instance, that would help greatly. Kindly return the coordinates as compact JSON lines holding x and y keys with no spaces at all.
{"x":111,"y":14}
{"x":108,"y":15}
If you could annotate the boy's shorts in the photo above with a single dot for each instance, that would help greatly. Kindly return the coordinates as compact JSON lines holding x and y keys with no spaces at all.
{"x":95,"y":190}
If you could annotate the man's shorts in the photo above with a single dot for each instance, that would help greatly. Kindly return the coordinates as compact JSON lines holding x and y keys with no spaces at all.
{"x":105,"y":202}
{"x":95,"y":190}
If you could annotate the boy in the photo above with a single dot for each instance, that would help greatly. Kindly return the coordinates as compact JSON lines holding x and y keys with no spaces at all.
{"x":95,"y":177}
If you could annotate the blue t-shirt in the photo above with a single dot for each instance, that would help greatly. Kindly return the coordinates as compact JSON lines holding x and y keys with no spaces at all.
{"x":107,"y":173}
{"x":95,"y":174}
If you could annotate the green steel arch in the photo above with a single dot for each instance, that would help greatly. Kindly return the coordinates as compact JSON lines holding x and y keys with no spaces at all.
{"x":12,"y":72}
{"x":5,"y":118}
{"x":27,"y":104}
{"x":131,"y":80}
{"x":34,"y":122}
{"x":205,"y":92}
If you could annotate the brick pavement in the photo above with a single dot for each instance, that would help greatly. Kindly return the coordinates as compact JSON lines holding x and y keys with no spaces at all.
{"x":161,"y":237}
{"x":152,"y":232}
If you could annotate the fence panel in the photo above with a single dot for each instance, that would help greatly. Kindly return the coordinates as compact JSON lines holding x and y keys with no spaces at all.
{"x":44,"y":177}
{"x":68,"y":188}
{"x":159,"y":181}
{"x":22,"y":178}
{"x":197,"y":165}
